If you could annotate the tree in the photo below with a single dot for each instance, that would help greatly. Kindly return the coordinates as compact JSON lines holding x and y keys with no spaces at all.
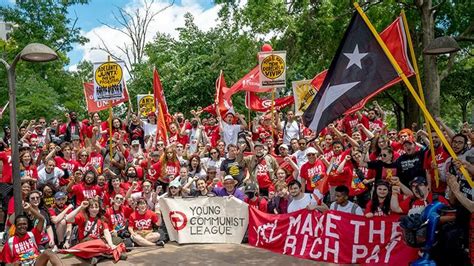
{"x":459,"y":86}
{"x":134,"y":25}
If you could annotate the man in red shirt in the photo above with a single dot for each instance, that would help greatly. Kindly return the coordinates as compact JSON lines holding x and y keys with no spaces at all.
{"x":6,"y":167}
{"x":22,"y":248}
{"x":141,"y":226}
{"x":312,"y":172}
{"x":84,"y":190}
{"x":351,"y":121}
{"x":253,"y":199}
{"x":441,"y":155}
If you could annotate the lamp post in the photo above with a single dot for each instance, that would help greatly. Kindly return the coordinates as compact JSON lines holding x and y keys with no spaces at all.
{"x":33,"y":52}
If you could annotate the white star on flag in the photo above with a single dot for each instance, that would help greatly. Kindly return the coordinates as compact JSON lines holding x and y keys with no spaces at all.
{"x":355,"y":57}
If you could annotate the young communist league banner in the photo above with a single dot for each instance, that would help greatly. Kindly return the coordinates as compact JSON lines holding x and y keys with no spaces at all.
{"x":205,"y":219}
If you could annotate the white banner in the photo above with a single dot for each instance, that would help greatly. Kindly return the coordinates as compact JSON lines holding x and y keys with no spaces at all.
{"x":272,"y":69}
{"x":109,"y":82}
{"x":205,"y":219}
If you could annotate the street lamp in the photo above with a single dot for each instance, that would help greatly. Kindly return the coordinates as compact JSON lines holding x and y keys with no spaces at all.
{"x":442,"y":45}
{"x":33,"y":52}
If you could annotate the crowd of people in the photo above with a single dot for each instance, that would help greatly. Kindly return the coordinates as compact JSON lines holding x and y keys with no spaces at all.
{"x":83,"y":181}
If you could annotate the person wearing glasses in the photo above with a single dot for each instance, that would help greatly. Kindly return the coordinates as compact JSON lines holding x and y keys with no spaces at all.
{"x":117,"y":217}
{"x":300,"y":154}
{"x":35,"y":199}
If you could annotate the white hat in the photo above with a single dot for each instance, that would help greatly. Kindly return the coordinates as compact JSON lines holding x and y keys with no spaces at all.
{"x":311,"y":150}
{"x":283,"y":146}
{"x":228,"y":177}
{"x":135,"y":142}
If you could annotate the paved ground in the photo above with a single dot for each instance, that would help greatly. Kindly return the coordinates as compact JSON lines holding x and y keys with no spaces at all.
{"x":202,"y":254}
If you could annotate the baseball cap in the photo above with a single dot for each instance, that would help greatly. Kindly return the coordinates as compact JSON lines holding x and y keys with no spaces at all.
{"x":175,"y":183}
{"x":135,"y":142}
{"x":75,"y":137}
{"x":60,"y":195}
{"x":252,"y":187}
{"x":228,"y":177}
{"x":155,"y":153}
{"x":284,"y":146}
{"x":311,"y":150}
{"x":258,"y":143}
{"x":419,"y":180}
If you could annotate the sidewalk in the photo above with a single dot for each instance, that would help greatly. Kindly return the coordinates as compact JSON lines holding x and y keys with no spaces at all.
{"x":201,"y":254}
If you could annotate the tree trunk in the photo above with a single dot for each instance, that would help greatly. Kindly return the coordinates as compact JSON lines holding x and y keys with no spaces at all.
{"x":412,"y":110}
{"x":464,"y":112}
{"x":430,"y":69}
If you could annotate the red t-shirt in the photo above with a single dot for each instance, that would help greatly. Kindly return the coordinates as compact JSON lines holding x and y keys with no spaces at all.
{"x":108,"y":196}
{"x":84,"y":225}
{"x":97,"y":161}
{"x":83,"y":192}
{"x":375,"y":124}
{"x":31,"y":171}
{"x":335,"y":178}
{"x":377,"y":212}
{"x":419,"y":203}
{"x":313,"y":173}
{"x":6,"y":158}
{"x":177,"y":138}
{"x":263,"y":176}
{"x":71,"y":166}
{"x":213,"y":133}
{"x":143,"y":221}
{"x":117,"y":220}
{"x":172,"y":169}
{"x":441,"y":156}
{"x":350,"y":123}
{"x":84,"y":167}
{"x":23,"y":248}
{"x":260,"y":203}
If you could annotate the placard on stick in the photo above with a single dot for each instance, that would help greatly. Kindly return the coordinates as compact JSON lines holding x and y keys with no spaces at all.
{"x":109,"y":82}
{"x":272,"y":69}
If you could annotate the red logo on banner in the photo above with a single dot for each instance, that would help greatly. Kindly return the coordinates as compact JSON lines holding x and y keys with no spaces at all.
{"x":178,"y":220}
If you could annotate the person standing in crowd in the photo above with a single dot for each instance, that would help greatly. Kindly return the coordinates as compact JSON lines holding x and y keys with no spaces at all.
{"x":261,"y":169}
{"x":229,"y":130}
{"x":343,"y":204}
{"x":253,"y":199}
{"x":300,"y":200}
{"x":279,"y":201}
{"x":232,"y":165}
{"x":291,"y":128}
{"x":379,"y":205}
{"x":312,"y":171}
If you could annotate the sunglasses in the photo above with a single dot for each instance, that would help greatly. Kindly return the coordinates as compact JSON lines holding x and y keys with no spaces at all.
{"x":310,"y":154}
{"x":302,"y":143}
{"x":214,"y":152}
{"x":179,"y":147}
{"x":161,"y":144}
{"x":34,"y":198}
{"x":119,"y":198}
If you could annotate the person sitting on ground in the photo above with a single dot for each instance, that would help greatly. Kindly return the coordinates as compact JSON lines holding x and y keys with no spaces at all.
{"x":229,"y":189}
{"x":253,"y":198}
{"x":343,"y":204}
{"x":22,"y":248}
{"x":58,"y":214}
{"x":141,"y":224}
{"x":300,"y":200}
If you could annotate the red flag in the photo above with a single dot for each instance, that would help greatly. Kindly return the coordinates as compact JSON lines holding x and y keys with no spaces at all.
{"x":318,"y":79}
{"x":255,"y":103}
{"x":211,"y":109}
{"x":222,"y":104}
{"x":394,"y":37}
{"x":163,"y":115}
{"x":250,"y":82}
{"x":94,"y":248}
{"x":93,"y":106}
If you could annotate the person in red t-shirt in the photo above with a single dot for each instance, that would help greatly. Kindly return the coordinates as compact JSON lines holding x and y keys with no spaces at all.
{"x":141,"y":226}
{"x":253,"y":199}
{"x":117,"y":216}
{"x":6,"y":159}
{"x":168,"y":167}
{"x":91,"y":224}
{"x":441,"y":155}
{"x":84,"y":190}
{"x":312,"y":172}
{"x":22,"y":248}
{"x":379,"y":205}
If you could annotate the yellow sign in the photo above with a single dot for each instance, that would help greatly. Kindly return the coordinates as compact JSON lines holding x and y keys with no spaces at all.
{"x":146,"y":104}
{"x":109,"y":74}
{"x":304,"y":94}
{"x":272,"y":66}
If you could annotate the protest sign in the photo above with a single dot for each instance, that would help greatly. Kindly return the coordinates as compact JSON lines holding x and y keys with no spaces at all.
{"x":146,"y":104}
{"x":205,"y":219}
{"x":96,"y":106}
{"x":109,"y":82}
{"x":303,"y":92}
{"x":334,"y":237}
{"x":272,"y":69}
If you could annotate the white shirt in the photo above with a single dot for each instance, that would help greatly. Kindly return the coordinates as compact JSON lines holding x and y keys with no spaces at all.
{"x":347,"y":208}
{"x":150,"y":129}
{"x":230,"y":133}
{"x":300,"y":157}
{"x":296,"y":205}
{"x":291,"y":131}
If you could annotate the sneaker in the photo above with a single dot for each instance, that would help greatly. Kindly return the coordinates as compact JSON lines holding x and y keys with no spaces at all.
{"x":160,"y":243}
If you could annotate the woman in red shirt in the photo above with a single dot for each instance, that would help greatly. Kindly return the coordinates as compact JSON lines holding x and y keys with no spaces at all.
{"x":169,"y":167}
{"x":379,"y":205}
{"x":28,"y":170}
{"x":91,"y":224}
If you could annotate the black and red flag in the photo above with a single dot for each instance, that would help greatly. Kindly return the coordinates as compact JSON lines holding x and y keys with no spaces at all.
{"x":359,"y":69}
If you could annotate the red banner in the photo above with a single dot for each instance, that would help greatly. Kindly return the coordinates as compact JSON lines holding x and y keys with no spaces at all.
{"x":164,"y":118}
{"x":333,"y":237}
{"x":255,"y":103}
{"x":93,"y":106}
{"x":224,"y":105}
{"x":250,"y":82}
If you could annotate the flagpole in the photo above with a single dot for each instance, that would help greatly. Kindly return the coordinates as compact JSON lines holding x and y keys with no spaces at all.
{"x":412,"y":91}
{"x":110,"y":123}
{"x":218,"y":112}
{"x":273,"y":108}
{"x":421,"y":94}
